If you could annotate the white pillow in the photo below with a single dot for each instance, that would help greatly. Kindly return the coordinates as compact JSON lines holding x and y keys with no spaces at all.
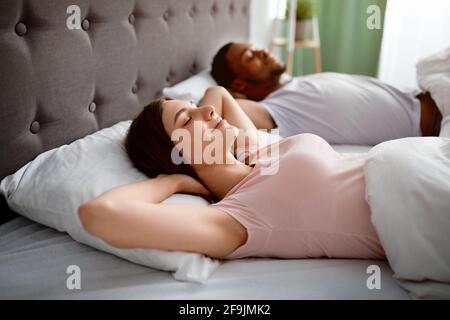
{"x":191,"y":89}
{"x":408,"y":190}
{"x":50,"y":189}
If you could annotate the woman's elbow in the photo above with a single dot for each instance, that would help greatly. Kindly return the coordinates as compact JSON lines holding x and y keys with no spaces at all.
{"x":90,"y":214}
{"x":217,"y":89}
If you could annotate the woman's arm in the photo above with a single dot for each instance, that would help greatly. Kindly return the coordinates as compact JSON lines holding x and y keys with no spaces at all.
{"x":257,"y":114}
{"x":154,"y":190}
{"x":228,"y":108}
{"x":131,"y":216}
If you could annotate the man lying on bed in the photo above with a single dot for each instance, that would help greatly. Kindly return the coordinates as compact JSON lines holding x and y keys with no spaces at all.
{"x":341,"y":108}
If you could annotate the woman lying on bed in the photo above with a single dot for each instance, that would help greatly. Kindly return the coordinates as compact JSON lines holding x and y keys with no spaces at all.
{"x":302,"y":201}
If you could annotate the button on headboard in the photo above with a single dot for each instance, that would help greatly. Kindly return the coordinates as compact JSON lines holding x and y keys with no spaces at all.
{"x":58,"y":85}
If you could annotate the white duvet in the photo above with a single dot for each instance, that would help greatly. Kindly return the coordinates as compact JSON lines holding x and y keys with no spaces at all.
{"x":408,"y":190}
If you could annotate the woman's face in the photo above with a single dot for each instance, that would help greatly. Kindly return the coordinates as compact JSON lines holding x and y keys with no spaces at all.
{"x":208,"y":137}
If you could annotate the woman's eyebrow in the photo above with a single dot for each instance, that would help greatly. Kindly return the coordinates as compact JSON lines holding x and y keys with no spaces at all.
{"x":178,"y":114}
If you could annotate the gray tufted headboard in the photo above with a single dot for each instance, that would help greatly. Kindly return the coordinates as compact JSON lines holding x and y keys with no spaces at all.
{"x":58,"y":85}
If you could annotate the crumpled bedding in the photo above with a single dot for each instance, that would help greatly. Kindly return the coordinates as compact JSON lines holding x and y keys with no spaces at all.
{"x":408,"y":190}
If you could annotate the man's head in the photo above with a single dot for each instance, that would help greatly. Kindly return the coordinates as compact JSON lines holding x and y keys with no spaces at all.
{"x":241,"y":68}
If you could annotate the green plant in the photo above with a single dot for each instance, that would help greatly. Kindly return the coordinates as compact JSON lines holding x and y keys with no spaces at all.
{"x":305,"y":9}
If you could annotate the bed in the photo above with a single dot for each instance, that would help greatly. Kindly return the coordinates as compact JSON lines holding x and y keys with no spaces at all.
{"x":34,"y":259}
{"x":60,"y":84}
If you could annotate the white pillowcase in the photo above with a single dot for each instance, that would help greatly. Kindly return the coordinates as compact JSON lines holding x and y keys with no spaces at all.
{"x":50,"y":189}
{"x":191,"y":89}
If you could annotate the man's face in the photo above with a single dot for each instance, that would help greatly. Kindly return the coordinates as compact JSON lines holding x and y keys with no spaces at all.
{"x":252,"y":65}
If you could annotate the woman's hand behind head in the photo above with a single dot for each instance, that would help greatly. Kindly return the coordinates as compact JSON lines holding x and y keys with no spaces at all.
{"x":187,"y":184}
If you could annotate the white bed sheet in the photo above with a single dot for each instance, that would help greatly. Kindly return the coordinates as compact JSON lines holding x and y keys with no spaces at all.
{"x":34,"y":259}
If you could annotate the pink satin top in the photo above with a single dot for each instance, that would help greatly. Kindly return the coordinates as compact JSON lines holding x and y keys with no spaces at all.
{"x":308,"y":201}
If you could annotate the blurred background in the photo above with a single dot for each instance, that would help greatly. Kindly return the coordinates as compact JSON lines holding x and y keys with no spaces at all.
{"x":351,"y":39}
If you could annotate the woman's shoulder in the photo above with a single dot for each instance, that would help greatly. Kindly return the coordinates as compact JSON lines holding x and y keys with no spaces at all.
{"x":284,"y":145}
{"x":229,"y":229}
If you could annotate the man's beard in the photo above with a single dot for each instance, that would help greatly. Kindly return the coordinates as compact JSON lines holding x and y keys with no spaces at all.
{"x":279,"y":71}
{"x":274,"y":76}
{"x":276,"y":73}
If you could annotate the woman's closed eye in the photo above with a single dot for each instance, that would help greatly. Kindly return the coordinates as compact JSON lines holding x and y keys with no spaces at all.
{"x":187,"y":121}
{"x":190,"y":118}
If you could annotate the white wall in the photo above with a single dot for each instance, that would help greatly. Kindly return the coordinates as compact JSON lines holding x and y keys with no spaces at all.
{"x":262,"y":13}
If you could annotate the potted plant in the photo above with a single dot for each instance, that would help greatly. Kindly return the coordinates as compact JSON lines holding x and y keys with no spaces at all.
{"x":305,"y":12}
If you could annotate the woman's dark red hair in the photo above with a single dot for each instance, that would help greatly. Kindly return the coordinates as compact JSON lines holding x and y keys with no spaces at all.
{"x":149,"y":146}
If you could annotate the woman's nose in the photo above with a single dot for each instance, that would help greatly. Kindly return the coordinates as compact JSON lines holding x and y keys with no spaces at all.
{"x":207,"y":112}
